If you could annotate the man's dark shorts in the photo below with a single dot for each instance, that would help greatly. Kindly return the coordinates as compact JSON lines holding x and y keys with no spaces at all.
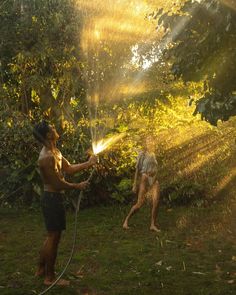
{"x":53,"y":211}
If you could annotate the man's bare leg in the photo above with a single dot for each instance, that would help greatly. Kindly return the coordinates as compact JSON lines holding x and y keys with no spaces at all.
{"x":50,"y":251}
{"x":41,"y":271}
{"x":139,"y":204}
{"x":155,"y":203}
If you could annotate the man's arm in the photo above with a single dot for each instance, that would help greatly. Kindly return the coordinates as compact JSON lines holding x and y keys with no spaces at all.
{"x":71,"y":169}
{"x":52,"y":177}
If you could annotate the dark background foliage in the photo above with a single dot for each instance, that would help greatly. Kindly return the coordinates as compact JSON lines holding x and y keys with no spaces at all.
{"x":203,"y":35}
{"x":45,"y":74}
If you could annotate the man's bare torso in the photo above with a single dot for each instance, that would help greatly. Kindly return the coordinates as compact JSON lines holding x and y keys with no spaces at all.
{"x":50,"y":165}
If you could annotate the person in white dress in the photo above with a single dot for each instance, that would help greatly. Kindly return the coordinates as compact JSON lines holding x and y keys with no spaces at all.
{"x":146,"y":184}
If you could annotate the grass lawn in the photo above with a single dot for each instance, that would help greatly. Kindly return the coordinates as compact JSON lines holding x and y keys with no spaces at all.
{"x":194,"y":254}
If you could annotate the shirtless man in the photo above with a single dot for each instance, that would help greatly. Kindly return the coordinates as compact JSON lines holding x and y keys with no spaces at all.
{"x":52,"y":165}
{"x":146,"y":183}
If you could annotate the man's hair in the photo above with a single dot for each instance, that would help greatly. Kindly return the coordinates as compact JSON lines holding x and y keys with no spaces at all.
{"x":40,"y":131}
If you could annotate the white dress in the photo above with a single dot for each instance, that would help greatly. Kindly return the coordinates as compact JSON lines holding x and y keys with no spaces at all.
{"x":147,"y":164}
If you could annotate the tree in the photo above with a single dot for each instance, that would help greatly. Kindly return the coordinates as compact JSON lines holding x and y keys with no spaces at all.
{"x":40,"y":73}
{"x":200,"y":44}
{"x":40,"y":55}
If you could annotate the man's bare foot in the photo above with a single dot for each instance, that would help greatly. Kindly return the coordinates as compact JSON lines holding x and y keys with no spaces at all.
{"x":61,"y":282}
{"x":40,"y":272}
{"x":155,"y":228}
{"x":125,"y":225}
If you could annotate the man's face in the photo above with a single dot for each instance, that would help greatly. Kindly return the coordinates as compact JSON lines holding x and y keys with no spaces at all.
{"x":52,"y":134}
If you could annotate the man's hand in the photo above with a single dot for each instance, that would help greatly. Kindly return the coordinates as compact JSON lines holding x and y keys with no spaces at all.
{"x":93,"y":160}
{"x":82,"y":185}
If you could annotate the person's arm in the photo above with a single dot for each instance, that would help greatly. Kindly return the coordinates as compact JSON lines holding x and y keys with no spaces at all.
{"x":134,"y":188}
{"x":71,"y":169}
{"x":53,"y":178}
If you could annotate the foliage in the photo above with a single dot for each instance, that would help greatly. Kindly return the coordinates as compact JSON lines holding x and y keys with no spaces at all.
{"x":184,"y":193}
{"x":44,"y":73}
{"x":122,"y":190}
{"x":200,"y":45}
{"x":192,"y":156}
{"x":40,"y":69}
{"x":19,"y":175}
{"x":40,"y":66}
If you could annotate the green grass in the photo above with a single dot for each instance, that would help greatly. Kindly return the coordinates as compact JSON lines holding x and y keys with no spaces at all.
{"x":194,"y":254}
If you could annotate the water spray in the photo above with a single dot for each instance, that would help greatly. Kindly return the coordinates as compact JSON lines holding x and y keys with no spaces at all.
{"x":105,"y":143}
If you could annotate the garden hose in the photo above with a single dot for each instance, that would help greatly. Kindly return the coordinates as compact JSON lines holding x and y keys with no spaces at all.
{"x":74,"y":239}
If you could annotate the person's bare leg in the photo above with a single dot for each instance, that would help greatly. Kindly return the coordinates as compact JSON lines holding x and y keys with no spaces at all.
{"x":50,"y":256}
{"x":56,"y":243}
{"x":155,"y":203}
{"x":139,"y":204}
{"x":41,"y":271}
{"x":50,"y":251}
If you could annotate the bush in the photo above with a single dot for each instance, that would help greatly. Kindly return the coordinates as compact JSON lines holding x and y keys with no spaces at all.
{"x":122,"y":191}
{"x":184,"y":193}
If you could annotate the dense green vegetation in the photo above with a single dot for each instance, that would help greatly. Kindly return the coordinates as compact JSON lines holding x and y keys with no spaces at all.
{"x":202,"y":35}
{"x":52,"y":58}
